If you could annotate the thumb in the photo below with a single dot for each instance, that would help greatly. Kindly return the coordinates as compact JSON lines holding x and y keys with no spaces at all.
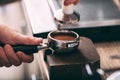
{"x":27,"y":40}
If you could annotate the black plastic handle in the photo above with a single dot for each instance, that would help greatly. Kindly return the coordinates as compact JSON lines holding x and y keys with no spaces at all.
{"x":27,"y":49}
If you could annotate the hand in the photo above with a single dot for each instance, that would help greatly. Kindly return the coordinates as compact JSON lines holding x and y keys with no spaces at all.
{"x":68,"y":2}
{"x":10,"y":37}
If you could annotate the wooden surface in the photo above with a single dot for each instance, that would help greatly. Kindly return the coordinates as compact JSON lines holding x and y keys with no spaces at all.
{"x":109,"y":54}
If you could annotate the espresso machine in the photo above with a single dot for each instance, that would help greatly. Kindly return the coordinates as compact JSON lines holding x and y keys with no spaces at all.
{"x":98,"y":18}
{"x":101,"y":18}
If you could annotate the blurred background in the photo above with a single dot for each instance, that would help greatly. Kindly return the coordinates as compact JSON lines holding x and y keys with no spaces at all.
{"x":29,"y":17}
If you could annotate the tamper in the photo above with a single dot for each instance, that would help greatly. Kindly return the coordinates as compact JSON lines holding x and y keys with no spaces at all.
{"x":65,"y":15}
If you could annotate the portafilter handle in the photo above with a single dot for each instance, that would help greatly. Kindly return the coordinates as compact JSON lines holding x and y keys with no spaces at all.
{"x":28,"y":49}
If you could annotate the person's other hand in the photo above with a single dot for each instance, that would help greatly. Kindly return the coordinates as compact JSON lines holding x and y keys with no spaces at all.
{"x":10,"y":37}
{"x":68,"y":2}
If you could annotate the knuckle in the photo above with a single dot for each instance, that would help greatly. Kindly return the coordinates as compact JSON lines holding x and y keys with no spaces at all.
{"x":17,"y":64}
{"x":30,"y":59}
{"x":8,"y":65}
{"x":4,"y":60}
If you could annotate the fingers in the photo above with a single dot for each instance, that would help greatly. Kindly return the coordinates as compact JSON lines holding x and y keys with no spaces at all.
{"x":10,"y":36}
{"x":68,"y":2}
{"x":1,"y":65}
{"x":22,"y":39}
{"x":25,"y":58}
{"x":11,"y":55}
{"x":8,"y":57}
{"x":3,"y":58}
{"x":76,"y":2}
